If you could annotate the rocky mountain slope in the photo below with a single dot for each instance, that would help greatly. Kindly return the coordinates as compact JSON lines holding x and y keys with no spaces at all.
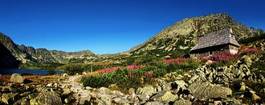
{"x":179,"y":38}
{"x":13,"y":48}
{"x":7,"y":60}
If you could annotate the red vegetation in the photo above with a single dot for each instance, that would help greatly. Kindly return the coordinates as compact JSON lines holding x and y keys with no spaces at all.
{"x":219,"y":57}
{"x":147,"y":74}
{"x":134,"y":67}
{"x":175,"y":61}
{"x":112,"y":69}
{"x":108,"y":70}
{"x":249,"y":50}
{"x":222,"y":56}
{"x":226,"y":56}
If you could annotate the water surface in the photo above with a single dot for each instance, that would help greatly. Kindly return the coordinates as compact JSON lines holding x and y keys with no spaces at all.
{"x":33,"y":72}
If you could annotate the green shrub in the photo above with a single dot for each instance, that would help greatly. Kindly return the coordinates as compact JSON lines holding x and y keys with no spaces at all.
{"x":259,"y":64}
{"x":119,"y":77}
{"x":134,"y":78}
{"x":258,"y":87}
{"x":257,"y":37}
{"x":95,"y":81}
{"x":188,"y":65}
{"x":73,"y":69}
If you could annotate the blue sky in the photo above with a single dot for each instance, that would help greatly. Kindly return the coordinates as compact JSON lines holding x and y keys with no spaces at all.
{"x":109,"y":26}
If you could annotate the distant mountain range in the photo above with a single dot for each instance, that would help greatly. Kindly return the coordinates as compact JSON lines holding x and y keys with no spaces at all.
{"x":175,"y":40}
{"x":27,"y":54}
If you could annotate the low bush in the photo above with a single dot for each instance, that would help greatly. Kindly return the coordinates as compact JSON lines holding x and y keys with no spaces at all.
{"x":259,"y":64}
{"x":133,"y":67}
{"x":94,"y":81}
{"x":257,"y":37}
{"x":175,"y":61}
{"x":222,"y":57}
{"x":179,"y":65}
{"x":136,"y":75}
{"x":108,"y":70}
{"x":119,"y":77}
{"x":258,"y":87}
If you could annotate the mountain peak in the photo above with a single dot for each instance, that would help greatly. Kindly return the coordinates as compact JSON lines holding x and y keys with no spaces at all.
{"x":179,"y":38}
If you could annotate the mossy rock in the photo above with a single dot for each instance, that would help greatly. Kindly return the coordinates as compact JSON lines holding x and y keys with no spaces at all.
{"x":16,"y":78}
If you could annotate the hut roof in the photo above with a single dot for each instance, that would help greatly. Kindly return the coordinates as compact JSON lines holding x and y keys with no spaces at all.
{"x":220,"y":37}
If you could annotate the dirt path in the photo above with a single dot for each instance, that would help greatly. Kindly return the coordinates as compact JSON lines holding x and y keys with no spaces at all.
{"x":79,"y":92}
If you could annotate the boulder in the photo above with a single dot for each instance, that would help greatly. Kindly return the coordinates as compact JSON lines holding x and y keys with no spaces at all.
{"x":179,"y":85}
{"x":132,"y":96}
{"x":254,"y":96}
{"x":168,"y":97}
{"x":9,"y":98}
{"x":104,"y":90}
{"x":154,"y":103}
{"x":206,"y":90}
{"x":144,"y":93}
{"x":46,"y":98}
{"x":247,"y":60}
{"x":88,"y":88}
{"x":182,"y":102}
{"x":25,"y":101}
{"x":148,"y":90}
{"x":121,"y":101}
{"x":114,"y":87}
{"x":16,"y":78}
{"x":243,"y":87}
{"x":104,"y":100}
{"x":65,"y":75}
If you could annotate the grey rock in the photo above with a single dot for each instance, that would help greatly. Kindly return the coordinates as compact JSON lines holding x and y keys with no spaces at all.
{"x":168,"y":97}
{"x":182,"y":102}
{"x":154,"y":103}
{"x":16,"y":78}
{"x":46,"y":98}
{"x":206,"y":90}
{"x":148,"y":90}
{"x":9,"y":98}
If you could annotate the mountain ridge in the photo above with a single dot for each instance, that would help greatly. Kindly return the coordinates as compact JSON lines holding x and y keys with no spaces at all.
{"x":181,"y":36}
{"x":28,"y":54}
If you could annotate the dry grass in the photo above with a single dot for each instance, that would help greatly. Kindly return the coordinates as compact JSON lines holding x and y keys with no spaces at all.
{"x":36,"y":79}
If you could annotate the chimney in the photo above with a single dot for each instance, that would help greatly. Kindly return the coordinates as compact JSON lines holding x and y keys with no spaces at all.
{"x":231,"y":30}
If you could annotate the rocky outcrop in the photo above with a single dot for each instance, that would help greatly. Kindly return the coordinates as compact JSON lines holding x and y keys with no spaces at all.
{"x":7,"y":60}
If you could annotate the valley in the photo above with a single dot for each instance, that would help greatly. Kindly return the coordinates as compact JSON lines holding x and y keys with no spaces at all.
{"x":160,"y":71}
